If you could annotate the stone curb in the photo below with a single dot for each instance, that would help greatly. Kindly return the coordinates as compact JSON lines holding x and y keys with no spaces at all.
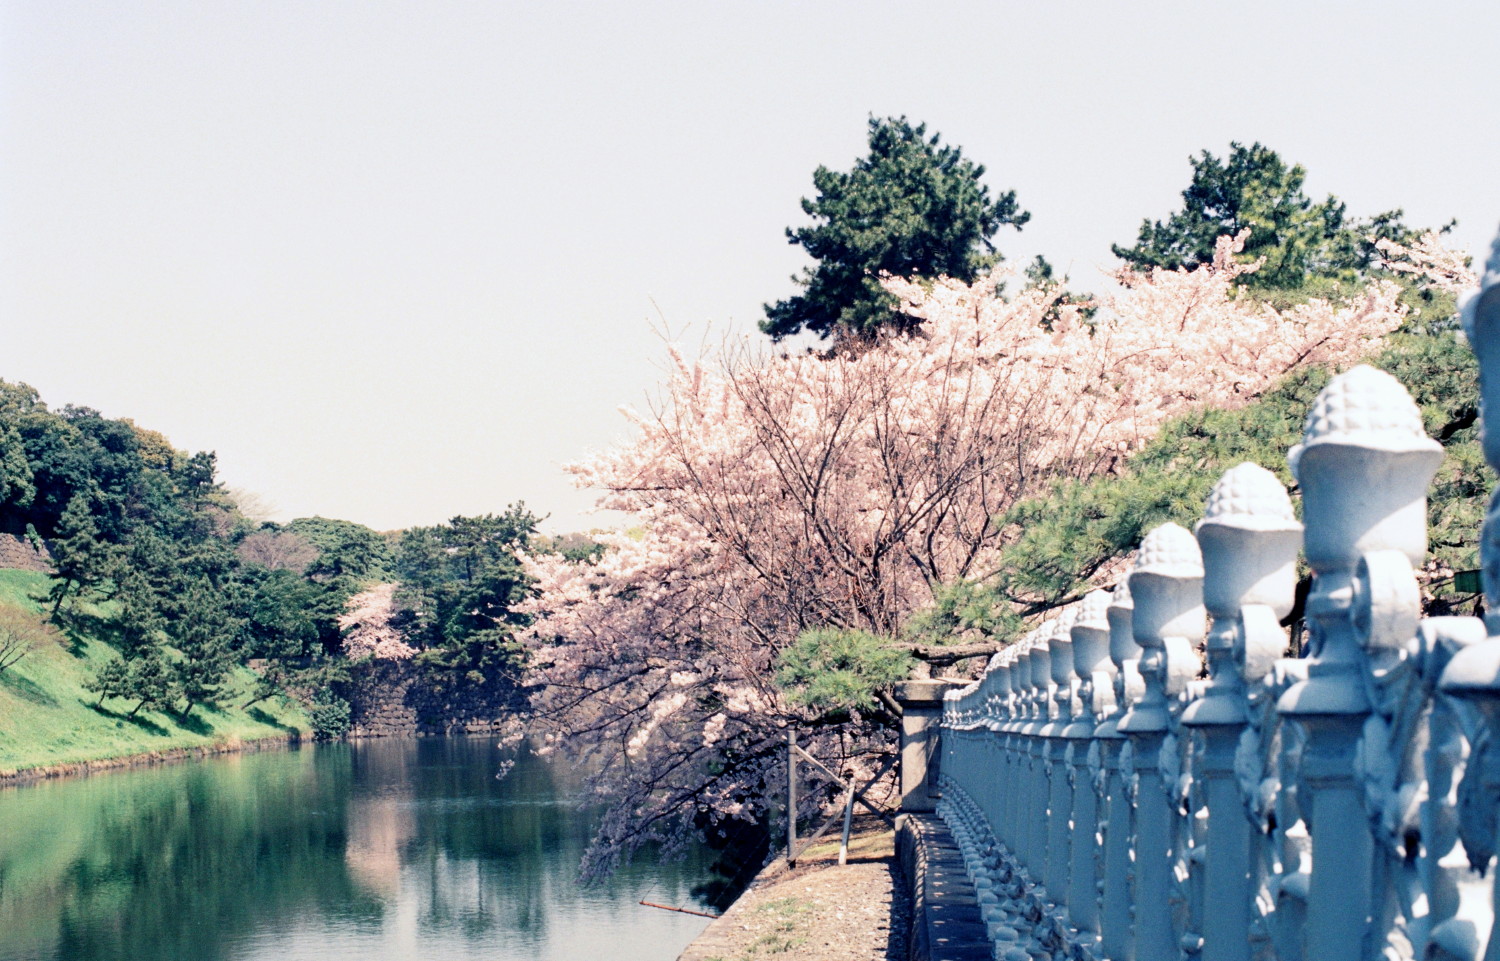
{"x":946,"y":923}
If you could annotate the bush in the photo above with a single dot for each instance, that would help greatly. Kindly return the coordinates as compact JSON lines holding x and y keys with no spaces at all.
{"x":330,"y":717}
{"x":20,"y":633}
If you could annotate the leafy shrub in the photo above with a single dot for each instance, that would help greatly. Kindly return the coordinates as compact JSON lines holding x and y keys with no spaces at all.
{"x":330,"y":717}
{"x":21,"y":631}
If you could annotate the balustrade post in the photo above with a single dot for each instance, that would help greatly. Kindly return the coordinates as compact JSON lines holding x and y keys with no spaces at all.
{"x":1364,"y":465}
{"x":1249,"y":538}
{"x":1093,"y":669}
{"x":1473,"y":674}
{"x":1059,"y":793}
{"x":1041,"y":682}
{"x":1166,"y":584}
{"x":1010,"y":781}
{"x":1021,"y":755}
{"x":985,"y":786}
{"x":1116,"y":925}
{"x":922,"y":704}
{"x":994,"y":774}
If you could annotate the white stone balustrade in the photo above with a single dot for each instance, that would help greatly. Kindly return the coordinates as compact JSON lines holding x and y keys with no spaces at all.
{"x":1151,"y":776}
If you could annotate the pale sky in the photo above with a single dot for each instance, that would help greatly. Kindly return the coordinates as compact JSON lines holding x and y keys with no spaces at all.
{"x":400,"y":261}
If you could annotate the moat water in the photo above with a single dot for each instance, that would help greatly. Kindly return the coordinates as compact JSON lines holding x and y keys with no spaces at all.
{"x":408,"y":849}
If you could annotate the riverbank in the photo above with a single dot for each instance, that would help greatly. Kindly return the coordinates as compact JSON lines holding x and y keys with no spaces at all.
{"x":860,"y":911}
{"x":51,"y":725}
{"x":31,"y":775}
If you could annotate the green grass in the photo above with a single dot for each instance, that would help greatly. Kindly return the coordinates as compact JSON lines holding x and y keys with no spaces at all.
{"x":46,"y":716}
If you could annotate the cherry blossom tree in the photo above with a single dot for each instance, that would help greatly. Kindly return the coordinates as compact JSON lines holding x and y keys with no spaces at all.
{"x":779,"y":492}
{"x":1433,"y":264}
{"x":368,"y":628}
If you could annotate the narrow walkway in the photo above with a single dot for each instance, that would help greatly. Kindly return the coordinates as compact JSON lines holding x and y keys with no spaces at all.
{"x":818,"y":911}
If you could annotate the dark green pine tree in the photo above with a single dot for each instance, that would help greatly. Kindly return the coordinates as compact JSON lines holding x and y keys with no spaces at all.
{"x":912,"y":207}
{"x":203,"y":633}
{"x":1253,"y":188}
{"x":110,"y":680}
{"x":79,"y":557}
{"x":151,"y":681}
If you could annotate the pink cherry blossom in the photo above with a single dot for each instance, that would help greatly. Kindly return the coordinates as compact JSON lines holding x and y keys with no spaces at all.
{"x":774,"y":492}
{"x":367,"y":627}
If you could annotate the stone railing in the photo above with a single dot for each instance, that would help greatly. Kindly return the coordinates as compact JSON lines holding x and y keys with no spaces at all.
{"x":1151,"y":776}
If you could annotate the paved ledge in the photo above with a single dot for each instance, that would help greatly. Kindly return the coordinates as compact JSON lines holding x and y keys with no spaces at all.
{"x":946,"y":923}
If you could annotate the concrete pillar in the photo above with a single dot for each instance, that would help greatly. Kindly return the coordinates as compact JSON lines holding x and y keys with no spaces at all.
{"x":921,"y":709}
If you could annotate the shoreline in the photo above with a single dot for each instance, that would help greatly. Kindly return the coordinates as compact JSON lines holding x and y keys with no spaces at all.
{"x":856,"y":912}
{"x":27,"y":777}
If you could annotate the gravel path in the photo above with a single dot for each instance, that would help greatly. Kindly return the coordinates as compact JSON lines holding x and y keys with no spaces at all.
{"x":818,"y":911}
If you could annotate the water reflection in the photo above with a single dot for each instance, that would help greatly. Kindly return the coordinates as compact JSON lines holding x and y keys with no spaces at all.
{"x":386,"y":849}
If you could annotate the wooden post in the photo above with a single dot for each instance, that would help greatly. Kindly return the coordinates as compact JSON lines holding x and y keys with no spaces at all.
{"x":848,"y":822}
{"x":791,"y":797}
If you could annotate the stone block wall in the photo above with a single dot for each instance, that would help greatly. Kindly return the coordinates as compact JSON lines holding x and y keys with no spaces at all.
{"x":398,"y":699}
{"x":16,"y":553}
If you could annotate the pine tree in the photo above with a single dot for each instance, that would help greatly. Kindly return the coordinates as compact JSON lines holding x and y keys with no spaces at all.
{"x":912,"y":208}
{"x":81,"y":560}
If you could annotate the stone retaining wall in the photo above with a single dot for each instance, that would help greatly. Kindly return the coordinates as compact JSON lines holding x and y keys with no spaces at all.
{"x":396,"y":699}
{"x":16,"y":552}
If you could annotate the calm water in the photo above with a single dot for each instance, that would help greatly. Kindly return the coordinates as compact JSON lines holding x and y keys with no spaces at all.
{"x":383,"y":849}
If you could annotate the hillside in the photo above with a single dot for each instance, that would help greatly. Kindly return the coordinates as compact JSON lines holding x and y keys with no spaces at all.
{"x":47,"y":717}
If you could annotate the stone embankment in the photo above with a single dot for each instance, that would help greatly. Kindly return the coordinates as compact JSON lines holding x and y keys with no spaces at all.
{"x":398,"y":699}
{"x":18,"y":553}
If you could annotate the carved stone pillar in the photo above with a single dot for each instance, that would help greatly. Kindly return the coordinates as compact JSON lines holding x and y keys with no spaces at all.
{"x":1092,"y":667}
{"x":921,"y":709}
{"x":1059,"y":793}
{"x":1364,"y":466}
{"x":1020,"y":741}
{"x":1250,"y":539}
{"x":1002,"y":667}
{"x":1116,"y":924}
{"x":1473,"y":674}
{"x":1041,"y":683}
{"x":1167,"y":586}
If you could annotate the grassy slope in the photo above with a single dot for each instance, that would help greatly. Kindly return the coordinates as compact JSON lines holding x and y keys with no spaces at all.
{"x":46,"y":716}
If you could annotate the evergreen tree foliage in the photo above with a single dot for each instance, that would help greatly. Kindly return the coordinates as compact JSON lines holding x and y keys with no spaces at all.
{"x":80,"y":558}
{"x":16,"y":482}
{"x":1253,"y":188}
{"x":330,"y":716}
{"x":913,"y":207}
{"x":203,"y":633}
{"x":839,"y":670}
{"x":148,"y":679}
{"x":459,"y":584}
{"x":1065,"y":538}
{"x":288,"y":616}
{"x":349,"y":553}
{"x":146,"y":532}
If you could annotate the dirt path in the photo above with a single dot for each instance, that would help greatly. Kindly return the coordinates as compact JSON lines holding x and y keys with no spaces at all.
{"x":818,"y":911}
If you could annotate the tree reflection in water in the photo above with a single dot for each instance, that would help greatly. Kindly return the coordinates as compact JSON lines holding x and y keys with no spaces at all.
{"x":371,"y":850}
